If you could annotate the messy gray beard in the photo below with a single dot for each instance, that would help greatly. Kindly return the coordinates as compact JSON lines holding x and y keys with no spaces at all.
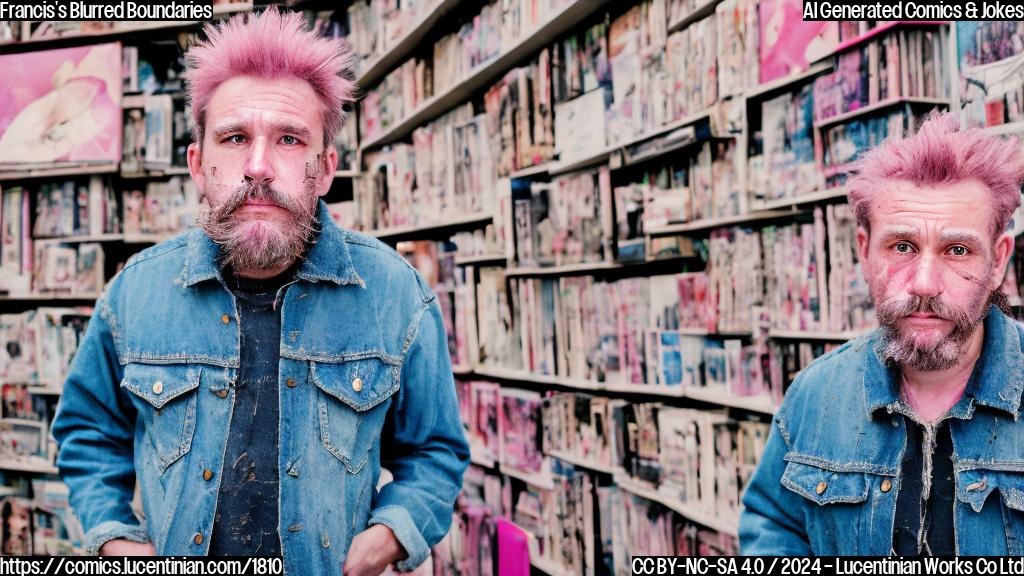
{"x":900,"y":348}
{"x":252,"y":245}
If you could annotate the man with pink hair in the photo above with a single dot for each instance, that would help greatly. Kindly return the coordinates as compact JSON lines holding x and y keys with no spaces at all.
{"x":255,"y":374}
{"x":894,"y":442}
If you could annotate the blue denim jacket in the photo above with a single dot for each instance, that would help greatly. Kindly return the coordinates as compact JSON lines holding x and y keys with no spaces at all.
{"x":365,"y":381}
{"x":830,"y":474}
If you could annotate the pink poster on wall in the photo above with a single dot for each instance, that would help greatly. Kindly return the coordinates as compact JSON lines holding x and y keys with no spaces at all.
{"x":61,"y":106}
{"x":788,"y":44}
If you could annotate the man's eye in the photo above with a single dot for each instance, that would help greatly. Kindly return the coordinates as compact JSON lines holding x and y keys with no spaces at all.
{"x":235,"y":139}
{"x":289,"y":140}
{"x":958,"y":250}
{"x":903,"y":248}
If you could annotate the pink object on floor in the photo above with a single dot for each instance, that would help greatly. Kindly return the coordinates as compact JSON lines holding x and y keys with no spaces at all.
{"x":513,"y":549}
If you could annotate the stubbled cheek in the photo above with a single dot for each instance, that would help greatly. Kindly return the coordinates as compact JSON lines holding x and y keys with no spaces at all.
{"x":968,"y":275}
{"x":313,"y":171}
{"x":904,"y":273}
{"x":897,"y":272}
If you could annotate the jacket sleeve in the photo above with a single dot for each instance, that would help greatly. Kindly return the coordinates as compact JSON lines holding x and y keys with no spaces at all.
{"x":94,"y":428}
{"x":422,"y":444}
{"x":772,"y":522}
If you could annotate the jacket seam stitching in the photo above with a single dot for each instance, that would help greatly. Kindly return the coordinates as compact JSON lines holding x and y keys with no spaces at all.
{"x":413,"y":331}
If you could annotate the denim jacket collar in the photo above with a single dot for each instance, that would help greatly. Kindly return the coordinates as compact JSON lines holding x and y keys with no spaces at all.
{"x":996,"y":382}
{"x":328,"y":258}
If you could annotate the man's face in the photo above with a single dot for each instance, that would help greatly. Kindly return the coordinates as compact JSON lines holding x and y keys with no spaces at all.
{"x":262,"y":166}
{"x":932,"y":265}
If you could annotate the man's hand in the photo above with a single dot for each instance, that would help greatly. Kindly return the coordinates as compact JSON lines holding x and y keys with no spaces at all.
{"x":122,"y":547}
{"x":372,"y":550}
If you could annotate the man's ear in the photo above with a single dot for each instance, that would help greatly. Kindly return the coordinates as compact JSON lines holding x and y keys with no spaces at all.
{"x":329,"y":165}
{"x":194,"y":156}
{"x":1001,"y":251}
{"x":863,"y":241}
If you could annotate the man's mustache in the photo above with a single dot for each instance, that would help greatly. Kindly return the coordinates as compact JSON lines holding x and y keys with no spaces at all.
{"x":891,"y":310}
{"x":257,"y":191}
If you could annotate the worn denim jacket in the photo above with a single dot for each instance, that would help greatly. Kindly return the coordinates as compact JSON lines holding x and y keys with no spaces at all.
{"x":364,"y":381}
{"x":830,"y":474}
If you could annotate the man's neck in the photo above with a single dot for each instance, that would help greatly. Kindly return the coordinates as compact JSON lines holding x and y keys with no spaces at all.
{"x":263,"y":273}
{"x":932,"y":393}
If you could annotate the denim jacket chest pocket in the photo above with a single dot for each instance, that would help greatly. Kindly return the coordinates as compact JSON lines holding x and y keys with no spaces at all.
{"x":165,"y":396}
{"x":840,"y":518}
{"x":352,"y":402}
{"x":975,"y":487}
{"x":823,"y":486}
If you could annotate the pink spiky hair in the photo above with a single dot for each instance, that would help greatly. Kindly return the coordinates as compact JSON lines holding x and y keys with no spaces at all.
{"x":271,"y":45}
{"x":942,"y":153}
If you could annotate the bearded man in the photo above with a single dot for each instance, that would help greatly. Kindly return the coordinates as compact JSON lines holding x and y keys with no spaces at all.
{"x":253,"y":375}
{"x":908,"y":441}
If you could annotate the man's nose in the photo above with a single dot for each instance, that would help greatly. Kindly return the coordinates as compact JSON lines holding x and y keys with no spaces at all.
{"x":926,"y":281}
{"x":258,"y":165}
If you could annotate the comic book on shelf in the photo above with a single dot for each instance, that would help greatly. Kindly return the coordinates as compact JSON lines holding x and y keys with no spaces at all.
{"x":520,"y":434}
{"x":498,"y":332}
{"x":68,"y":268}
{"x":896,"y":64}
{"x":580,"y":126}
{"x":483,"y":421}
{"x":788,"y":358}
{"x":788,"y":44}
{"x":133,"y":147}
{"x":580,"y":64}
{"x":735,"y":275}
{"x":57,"y":529}
{"x":991,"y":71}
{"x":637,"y":438}
{"x":564,"y":222}
{"x":849,"y":294}
{"x":159,"y":119}
{"x":787,"y":165}
{"x":79,"y":207}
{"x":10,"y":31}
{"x":474,"y":176}
{"x":843,"y":143}
{"x":579,"y":425}
{"x":520,"y":110}
{"x":16,"y":250}
{"x":560,"y":519}
{"x":737,"y":40}
{"x":793,"y":288}
{"x":37,"y":346}
{"x":640,"y":527}
{"x":164,"y":207}
{"x":652,"y":83}
{"x":439,"y":159}
{"x":384,"y":192}
{"x":691,"y":71}
{"x":24,"y":442}
{"x":696,"y":310}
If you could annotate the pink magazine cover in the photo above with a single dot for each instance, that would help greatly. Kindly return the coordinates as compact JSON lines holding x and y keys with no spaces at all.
{"x":61,"y":105}
{"x":519,"y":424}
{"x":788,"y":44}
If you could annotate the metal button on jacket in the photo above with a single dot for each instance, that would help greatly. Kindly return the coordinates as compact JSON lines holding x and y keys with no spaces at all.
{"x":357,"y":384}
{"x":821,"y":487}
{"x":886,"y":486}
{"x":158,"y":387}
